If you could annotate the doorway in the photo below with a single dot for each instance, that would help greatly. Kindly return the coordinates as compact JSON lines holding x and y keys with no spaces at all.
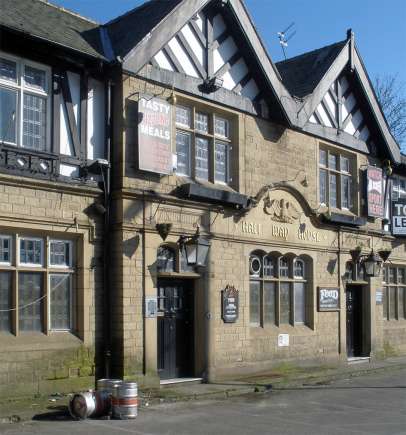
{"x":354,"y":301}
{"x":175,"y":328}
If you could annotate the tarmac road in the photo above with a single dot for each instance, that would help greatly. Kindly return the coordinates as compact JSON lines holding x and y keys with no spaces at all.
{"x":370,"y":404}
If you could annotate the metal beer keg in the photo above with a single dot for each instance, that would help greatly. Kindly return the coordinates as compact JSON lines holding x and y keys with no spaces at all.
{"x":125,"y":401}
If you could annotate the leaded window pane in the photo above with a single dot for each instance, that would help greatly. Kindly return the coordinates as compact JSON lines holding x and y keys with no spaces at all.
{"x":8,"y":70}
{"x":269,"y":266}
{"x":401,"y":276}
{"x":300,"y":302}
{"x":166,"y":259}
{"x":285,"y":303}
{"x":345,"y":164}
{"x":31,"y":251}
{"x":60,"y":254}
{"x":323,"y":157}
{"x":30,"y":290}
{"x":332,"y":161}
{"x":35,"y":78}
{"x":392,"y":275}
{"x":8,"y":119}
{"x":183,"y":152}
{"x":269,"y":302}
{"x":385,"y":302}
{"x":402,"y":302}
{"x":5,"y":246}
{"x":34,"y":122}
{"x":5,"y":301}
{"x":183,"y":116}
{"x":221,"y":162}
{"x":323,"y":186}
{"x":202,"y":122}
{"x":283,"y":267}
{"x":345,"y":191}
{"x":255,"y":302}
{"x":395,"y":189}
{"x":333,"y":189}
{"x":202,"y":158}
{"x":60,"y":287}
{"x":299,"y":270}
{"x":221,"y":127}
{"x":392,"y":303}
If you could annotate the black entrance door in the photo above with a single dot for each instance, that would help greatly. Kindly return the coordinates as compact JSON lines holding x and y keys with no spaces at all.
{"x":354,"y":320}
{"x":175,"y":329}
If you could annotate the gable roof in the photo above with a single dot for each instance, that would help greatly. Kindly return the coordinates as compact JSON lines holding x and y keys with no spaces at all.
{"x":54,"y":24}
{"x":313,"y":74}
{"x":127,"y":30}
{"x":301,"y":74}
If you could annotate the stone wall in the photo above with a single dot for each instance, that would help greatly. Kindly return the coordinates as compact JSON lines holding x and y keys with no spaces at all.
{"x":55,"y":360}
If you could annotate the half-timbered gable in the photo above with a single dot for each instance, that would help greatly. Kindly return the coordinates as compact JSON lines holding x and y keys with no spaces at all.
{"x":336,"y":99}
{"x":53,"y":90}
{"x":211,"y":50}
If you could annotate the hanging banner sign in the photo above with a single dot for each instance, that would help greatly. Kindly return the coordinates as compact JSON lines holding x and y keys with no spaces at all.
{"x":399,"y":217}
{"x":375,"y":192}
{"x":154,"y":135}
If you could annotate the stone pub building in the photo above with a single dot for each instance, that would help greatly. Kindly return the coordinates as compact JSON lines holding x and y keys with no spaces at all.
{"x":205,"y":213}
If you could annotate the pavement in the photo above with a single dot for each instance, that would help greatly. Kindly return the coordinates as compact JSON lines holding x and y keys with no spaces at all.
{"x":371,"y":403}
{"x":284,"y":377}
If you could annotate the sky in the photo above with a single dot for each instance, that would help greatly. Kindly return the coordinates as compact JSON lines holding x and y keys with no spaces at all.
{"x":379,"y":26}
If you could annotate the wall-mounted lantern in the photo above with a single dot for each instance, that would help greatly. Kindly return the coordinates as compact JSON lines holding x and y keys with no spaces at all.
{"x":372,"y":262}
{"x":196,"y":249}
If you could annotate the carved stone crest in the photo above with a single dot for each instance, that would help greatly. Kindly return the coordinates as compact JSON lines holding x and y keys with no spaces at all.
{"x":281,"y":210}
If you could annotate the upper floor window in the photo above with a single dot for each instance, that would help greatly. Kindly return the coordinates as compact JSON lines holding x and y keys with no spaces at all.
{"x":278,"y":290}
{"x":398,"y":188}
{"x":203,"y":145}
{"x":24,"y":103}
{"x":335,"y":179}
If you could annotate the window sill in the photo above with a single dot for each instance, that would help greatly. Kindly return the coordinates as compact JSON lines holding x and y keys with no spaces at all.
{"x":26,"y":341}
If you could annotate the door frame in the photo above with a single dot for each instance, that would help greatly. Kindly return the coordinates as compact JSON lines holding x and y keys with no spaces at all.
{"x":187,"y":282}
{"x":363,"y":323}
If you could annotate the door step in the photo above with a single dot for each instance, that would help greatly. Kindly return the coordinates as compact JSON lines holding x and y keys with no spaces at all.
{"x":358,"y":359}
{"x":167,"y":382}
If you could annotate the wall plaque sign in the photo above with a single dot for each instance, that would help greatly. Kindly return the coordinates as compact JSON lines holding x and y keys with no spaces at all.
{"x":399,"y":217}
{"x":151,"y":306}
{"x":283,"y":340}
{"x":230,"y":304}
{"x":328,"y":298}
{"x":379,"y":296}
{"x":375,"y":191}
{"x":154,"y":135}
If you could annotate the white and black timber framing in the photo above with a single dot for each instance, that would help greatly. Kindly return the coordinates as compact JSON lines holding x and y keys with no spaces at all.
{"x":61,"y":61}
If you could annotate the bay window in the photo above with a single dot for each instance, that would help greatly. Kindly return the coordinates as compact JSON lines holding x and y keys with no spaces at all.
{"x":335,"y":179}
{"x":24,"y":103}
{"x":36,"y":285}
{"x":203,"y":145}
{"x":278,"y":290}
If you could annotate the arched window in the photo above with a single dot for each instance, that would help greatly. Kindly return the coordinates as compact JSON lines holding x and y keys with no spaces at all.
{"x":166,"y":259}
{"x":277,"y":294}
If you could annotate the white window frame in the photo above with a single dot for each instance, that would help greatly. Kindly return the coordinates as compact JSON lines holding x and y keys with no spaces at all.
{"x":59,"y":266}
{"x":211,"y":136}
{"x":71,"y":307}
{"x":10,"y":248}
{"x":339,"y":173}
{"x":22,"y":89}
{"x":36,"y":239}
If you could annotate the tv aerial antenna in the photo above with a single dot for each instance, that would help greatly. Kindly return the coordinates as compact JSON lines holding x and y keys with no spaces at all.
{"x":285,"y":36}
